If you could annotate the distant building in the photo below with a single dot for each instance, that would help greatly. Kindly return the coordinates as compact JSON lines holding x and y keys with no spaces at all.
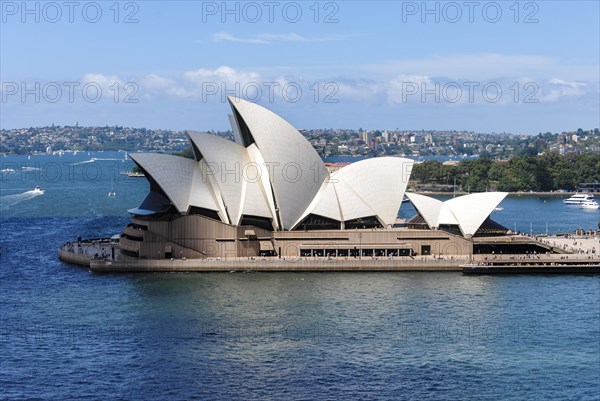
{"x":589,"y":187}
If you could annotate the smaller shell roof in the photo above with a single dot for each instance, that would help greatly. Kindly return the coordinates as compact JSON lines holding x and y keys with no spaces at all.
{"x":429,"y":208}
{"x":467,"y":211}
{"x":371,"y":187}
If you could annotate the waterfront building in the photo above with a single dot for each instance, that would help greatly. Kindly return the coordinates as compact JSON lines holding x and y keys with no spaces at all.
{"x":589,"y":187}
{"x":268,"y":193}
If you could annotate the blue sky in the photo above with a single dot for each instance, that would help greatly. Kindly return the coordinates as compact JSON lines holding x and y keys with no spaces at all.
{"x":522,"y":67}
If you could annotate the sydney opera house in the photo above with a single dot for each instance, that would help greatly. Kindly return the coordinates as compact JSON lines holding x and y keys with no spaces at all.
{"x":268,"y":193}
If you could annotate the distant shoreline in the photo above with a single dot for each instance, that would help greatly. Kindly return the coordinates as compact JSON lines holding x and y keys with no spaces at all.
{"x":519,"y":193}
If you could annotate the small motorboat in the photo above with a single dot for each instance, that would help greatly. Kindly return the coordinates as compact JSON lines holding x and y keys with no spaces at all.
{"x":38,"y":190}
{"x":112,"y":192}
{"x":590,"y":205}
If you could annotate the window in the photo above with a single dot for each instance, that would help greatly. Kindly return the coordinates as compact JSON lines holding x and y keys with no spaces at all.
{"x":211,"y":214}
{"x":257,"y":221}
{"x":363,"y":222}
{"x":316,"y":222}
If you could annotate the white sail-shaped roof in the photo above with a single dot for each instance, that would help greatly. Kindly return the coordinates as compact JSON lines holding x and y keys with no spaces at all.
{"x":446,"y":216}
{"x":223,"y":160}
{"x":471,"y":210}
{"x":467,"y":211}
{"x":380,"y":183}
{"x":204,"y":189}
{"x":257,"y":173}
{"x":237,"y":136}
{"x":271,"y":171}
{"x":352,"y":206}
{"x":177,"y":177}
{"x":328,"y":204}
{"x":295,"y":170}
{"x":372,"y":187}
{"x":428,"y":207}
{"x":228,"y":163}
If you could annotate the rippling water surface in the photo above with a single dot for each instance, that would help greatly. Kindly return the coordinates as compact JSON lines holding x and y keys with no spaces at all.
{"x":68,"y":334}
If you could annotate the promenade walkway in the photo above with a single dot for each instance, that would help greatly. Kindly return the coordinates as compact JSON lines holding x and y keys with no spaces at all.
{"x":577,"y":244}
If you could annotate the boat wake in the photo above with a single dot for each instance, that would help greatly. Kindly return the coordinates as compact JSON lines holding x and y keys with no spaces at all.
{"x":94,"y":160}
{"x":83,"y":162}
{"x":8,"y":201}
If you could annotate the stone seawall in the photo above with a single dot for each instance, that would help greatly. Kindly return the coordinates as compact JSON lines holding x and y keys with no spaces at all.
{"x":274,"y":265}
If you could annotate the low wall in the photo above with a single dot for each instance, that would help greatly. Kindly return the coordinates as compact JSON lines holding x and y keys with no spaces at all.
{"x":274,"y":265}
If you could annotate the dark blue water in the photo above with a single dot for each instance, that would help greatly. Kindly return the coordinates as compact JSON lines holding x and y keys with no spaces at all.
{"x":68,"y":334}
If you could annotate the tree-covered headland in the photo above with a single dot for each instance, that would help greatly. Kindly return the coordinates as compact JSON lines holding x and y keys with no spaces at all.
{"x":548,"y":172}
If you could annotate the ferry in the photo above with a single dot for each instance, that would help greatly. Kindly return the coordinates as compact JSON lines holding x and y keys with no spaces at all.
{"x":578,"y":199}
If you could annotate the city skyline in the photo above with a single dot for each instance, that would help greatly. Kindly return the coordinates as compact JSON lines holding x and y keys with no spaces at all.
{"x":523,"y":67}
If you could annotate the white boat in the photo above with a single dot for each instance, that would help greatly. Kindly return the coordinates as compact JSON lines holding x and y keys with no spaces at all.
{"x":578,"y":199}
{"x":112,"y":189}
{"x":590,"y":205}
{"x":38,"y":190}
{"x":134,"y":175}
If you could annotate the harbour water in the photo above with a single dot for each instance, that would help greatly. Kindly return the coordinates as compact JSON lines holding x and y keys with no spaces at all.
{"x":78,"y":185}
{"x":68,"y":334}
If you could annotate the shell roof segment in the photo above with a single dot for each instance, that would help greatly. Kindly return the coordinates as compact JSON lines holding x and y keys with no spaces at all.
{"x":467,"y":211}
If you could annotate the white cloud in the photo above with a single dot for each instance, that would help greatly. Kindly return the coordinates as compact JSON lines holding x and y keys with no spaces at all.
{"x":397,"y":89}
{"x":558,"y":88}
{"x":223,"y":74}
{"x":227,"y":37}
{"x":415,"y":89}
{"x":103,"y":81}
{"x":479,"y":66}
{"x":269,"y":38}
{"x":202,"y":83}
{"x":155,"y":84}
